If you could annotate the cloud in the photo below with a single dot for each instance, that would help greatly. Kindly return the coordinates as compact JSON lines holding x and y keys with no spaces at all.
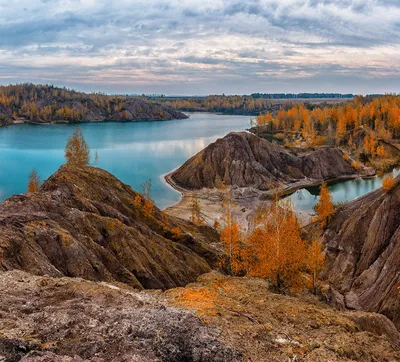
{"x":213,"y":45}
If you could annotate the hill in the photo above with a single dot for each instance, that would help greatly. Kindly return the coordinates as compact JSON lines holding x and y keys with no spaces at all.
{"x":83,"y":223}
{"x":47,"y":104}
{"x":244,"y":160}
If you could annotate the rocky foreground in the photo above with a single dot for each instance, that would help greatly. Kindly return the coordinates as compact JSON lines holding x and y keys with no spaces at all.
{"x":76,"y":256}
{"x":245,"y":160}
{"x":217,"y":319}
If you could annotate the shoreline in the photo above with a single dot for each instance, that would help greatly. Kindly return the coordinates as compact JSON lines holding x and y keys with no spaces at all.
{"x":18,"y":122}
{"x":210,"y":201}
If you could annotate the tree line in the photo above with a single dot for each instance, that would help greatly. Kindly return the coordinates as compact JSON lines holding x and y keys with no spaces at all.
{"x":49,"y":103}
{"x":364,"y":126}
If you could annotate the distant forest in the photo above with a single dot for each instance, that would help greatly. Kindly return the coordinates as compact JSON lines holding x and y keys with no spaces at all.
{"x":251,"y":104}
{"x":301,"y":95}
{"x":46,"y":103}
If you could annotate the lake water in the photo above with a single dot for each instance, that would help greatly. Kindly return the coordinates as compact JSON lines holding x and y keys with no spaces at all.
{"x":304,"y":200}
{"x":134,"y":152}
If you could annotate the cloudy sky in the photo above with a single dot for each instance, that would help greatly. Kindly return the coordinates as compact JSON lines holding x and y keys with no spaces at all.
{"x":203,"y":46}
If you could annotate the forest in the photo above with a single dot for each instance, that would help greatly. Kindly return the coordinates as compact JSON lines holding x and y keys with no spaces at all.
{"x":367,"y":127}
{"x":252,"y":104}
{"x":47,"y":103}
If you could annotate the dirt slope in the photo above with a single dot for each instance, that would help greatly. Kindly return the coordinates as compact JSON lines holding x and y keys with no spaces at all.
{"x":82,"y":223}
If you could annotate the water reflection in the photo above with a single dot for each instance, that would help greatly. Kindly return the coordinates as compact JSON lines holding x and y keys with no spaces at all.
{"x":134,"y":152}
{"x":304,"y":200}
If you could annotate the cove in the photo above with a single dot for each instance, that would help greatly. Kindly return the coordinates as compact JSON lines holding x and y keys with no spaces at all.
{"x":132,"y":151}
{"x":305,"y":199}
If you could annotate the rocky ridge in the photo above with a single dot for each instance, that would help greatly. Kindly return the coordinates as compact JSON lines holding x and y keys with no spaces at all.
{"x":83,"y":223}
{"x":363,"y":253}
{"x":242,"y":159}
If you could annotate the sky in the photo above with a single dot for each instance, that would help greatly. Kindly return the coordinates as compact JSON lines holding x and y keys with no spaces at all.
{"x":198,"y":47}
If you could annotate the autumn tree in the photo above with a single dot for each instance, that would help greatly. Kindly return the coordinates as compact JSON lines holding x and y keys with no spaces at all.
{"x":388,"y":183}
{"x":380,"y":152}
{"x":34,"y":181}
{"x":148,"y":206}
{"x":195,"y":209}
{"x":77,"y":150}
{"x":230,"y":235}
{"x":137,"y":202}
{"x":315,"y":262}
{"x":324,"y":208}
{"x":276,"y":249}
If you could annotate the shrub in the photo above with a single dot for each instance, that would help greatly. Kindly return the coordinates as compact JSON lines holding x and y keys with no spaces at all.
{"x":380,"y":151}
{"x":389,"y":183}
{"x":320,"y":141}
{"x":356,"y":165}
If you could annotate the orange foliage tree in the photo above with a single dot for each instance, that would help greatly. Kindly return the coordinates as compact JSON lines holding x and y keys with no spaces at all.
{"x":77,"y":150}
{"x":388,"y":183}
{"x":324,"y":208}
{"x":34,"y":181}
{"x":148,"y":206}
{"x":230,"y":235}
{"x":380,"y":151}
{"x":276,"y":249}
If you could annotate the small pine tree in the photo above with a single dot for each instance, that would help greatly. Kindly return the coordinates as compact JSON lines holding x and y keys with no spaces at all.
{"x":77,"y":150}
{"x":34,"y":181}
{"x":324,"y":208}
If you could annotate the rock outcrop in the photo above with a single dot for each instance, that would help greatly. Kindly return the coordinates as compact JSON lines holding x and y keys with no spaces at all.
{"x":245,"y":160}
{"x":216,"y":319}
{"x":363,"y":254}
{"x":47,"y":319}
{"x":83,"y":223}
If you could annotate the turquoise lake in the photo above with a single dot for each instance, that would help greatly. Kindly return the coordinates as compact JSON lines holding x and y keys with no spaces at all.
{"x":136,"y":152}
{"x":304,"y":200}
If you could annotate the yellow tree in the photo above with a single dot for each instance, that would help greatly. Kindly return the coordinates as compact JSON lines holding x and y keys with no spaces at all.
{"x":34,"y":181}
{"x":388,"y":183}
{"x":380,"y":151}
{"x":148,"y":206}
{"x":316,"y":262}
{"x":324,"y":208}
{"x":231,"y":236}
{"x":196,"y":217}
{"x":77,"y":150}
{"x":276,"y":249}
